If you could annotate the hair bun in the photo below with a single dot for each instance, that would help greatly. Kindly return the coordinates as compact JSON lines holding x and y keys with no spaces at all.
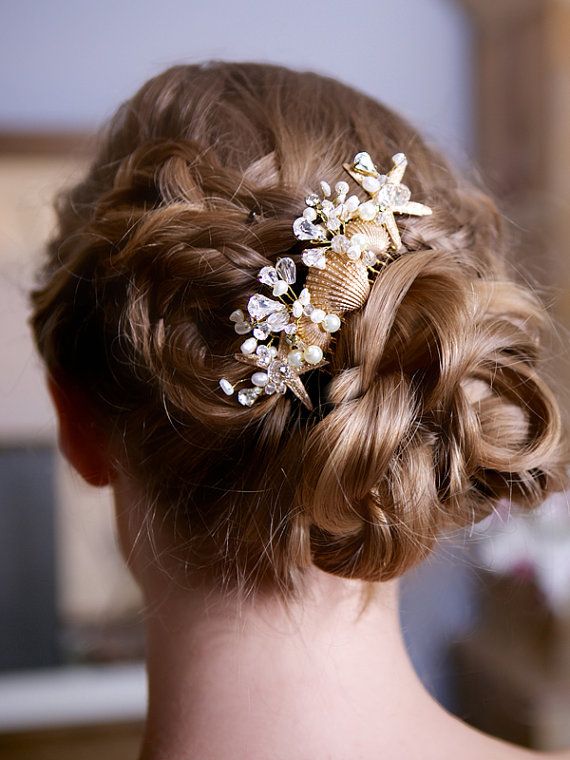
{"x":434,"y":404}
{"x":438,"y":412}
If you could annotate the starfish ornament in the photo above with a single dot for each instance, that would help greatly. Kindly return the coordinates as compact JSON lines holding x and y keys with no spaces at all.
{"x":277,"y":373}
{"x":386,"y":191}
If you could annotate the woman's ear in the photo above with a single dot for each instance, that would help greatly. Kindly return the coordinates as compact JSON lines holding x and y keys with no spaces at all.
{"x":81,"y":438}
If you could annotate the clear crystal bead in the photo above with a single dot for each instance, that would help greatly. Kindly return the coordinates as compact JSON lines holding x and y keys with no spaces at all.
{"x":278,"y":371}
{"x":286,"y":269}
{"x":314,"y":257}
{"x":259,"y":306}
{"x":304,"y":297}
{"x":242,"y":328}
{"x":369,"y":258}
{"x":290,"y":329}
{"x":264,"y":354}
{"x":268,"y":276}
{"x":278,"y":320}
{"x":261,"y":331}
{"x":237,"y":316}
{"x":312,"y":199}
{"x":270,"y":389}
{"x":363,"y":163}
{"x":308,"y":310}
{"x":247,"y":396}
{"x":392,"y":196}
{"x":303,"y":229}
{"x":339,"y":243}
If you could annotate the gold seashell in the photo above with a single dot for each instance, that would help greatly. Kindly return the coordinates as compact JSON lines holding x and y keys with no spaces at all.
{"x":342,"y":286}
{"x":378,"y":238}
{"x":312,"y":334}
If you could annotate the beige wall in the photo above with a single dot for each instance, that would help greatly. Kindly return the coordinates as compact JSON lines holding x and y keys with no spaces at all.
{"x":92,"y":580}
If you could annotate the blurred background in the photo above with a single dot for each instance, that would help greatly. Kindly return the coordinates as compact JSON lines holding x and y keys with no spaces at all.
{"x":487,"y":619}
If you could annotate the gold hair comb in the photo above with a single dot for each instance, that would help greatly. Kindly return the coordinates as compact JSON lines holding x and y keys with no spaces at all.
{"x":350,"y":239}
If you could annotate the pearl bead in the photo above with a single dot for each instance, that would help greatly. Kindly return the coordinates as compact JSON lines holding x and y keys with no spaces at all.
{"x":297,"y":309}
{"x":331,"y":323}
{"x":310,"y":214}
{"x":260,"y":379}
{"x":370,"y":184}
{"x":295,"y":358}
{"x":226,"y":386}
{"x":313,"y":354}
{"x":367,"y":211}
{"x":358,"y":239}
{"x":352,"y":203}
{"x":249,"y":346}
{"x":317,"y":315}
{"x":280,"y":288}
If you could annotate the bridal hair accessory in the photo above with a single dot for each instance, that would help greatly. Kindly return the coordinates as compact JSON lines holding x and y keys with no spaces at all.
{"x":348,"y":240}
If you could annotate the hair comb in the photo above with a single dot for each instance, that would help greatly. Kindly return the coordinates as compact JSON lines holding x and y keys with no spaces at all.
{"x":348,"y":241}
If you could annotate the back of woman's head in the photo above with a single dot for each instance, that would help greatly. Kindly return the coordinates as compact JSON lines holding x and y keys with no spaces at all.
{"x":432,"y":407}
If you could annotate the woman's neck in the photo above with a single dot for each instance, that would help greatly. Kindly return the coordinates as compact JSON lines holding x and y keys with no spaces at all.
{"x":261,"y":680}
{"x":320,"y":678}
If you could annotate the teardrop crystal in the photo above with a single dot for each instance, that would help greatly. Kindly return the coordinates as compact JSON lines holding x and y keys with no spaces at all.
{"x":247,"y":396}
{"x":259,"y":306}
{"x":303,"y":229}
{"x":364,"y":164}
{"x":286,"y":269}
{"x":268,"y":276}
{"x":278,"y":320}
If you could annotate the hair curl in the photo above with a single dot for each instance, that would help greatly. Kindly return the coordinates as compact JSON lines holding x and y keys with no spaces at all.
{"x":434,"y":406}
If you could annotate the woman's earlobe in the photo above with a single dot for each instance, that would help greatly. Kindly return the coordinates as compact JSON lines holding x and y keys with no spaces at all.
{"x":81,"y":439}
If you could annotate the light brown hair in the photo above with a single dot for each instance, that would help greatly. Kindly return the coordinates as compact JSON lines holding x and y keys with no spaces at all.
{"x":434,"y":405}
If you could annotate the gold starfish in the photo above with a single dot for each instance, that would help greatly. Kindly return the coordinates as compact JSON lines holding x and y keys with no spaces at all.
{"x":391,"y":196}
{"x":280,"y":371}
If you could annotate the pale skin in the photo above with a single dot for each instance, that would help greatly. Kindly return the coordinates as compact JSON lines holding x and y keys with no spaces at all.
{"x":319,"y":680}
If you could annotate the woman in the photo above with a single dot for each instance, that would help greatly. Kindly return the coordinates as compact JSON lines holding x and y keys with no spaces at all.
{"x":268,"y":509}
